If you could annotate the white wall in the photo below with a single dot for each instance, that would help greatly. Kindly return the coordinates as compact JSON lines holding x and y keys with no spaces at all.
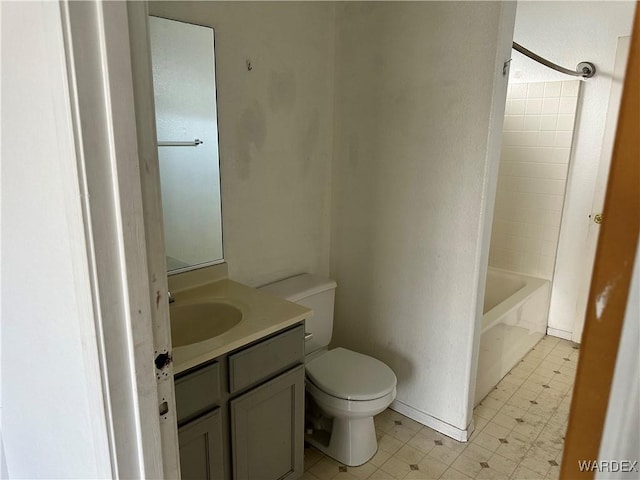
{"x":538,"y":131}
{"x":275,"y":125}
{"x":568,"y":33}
{"x":53,"y":420}
{"x":417,"y":116}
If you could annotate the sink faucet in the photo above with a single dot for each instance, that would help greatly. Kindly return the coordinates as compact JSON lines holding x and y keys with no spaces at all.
{"x":171,"y":299}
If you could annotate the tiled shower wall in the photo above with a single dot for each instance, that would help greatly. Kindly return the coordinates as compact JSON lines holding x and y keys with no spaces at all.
{"x":538,"y":131}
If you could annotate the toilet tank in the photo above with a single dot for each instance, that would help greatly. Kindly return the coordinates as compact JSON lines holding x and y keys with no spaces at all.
{"x":315,"y":292}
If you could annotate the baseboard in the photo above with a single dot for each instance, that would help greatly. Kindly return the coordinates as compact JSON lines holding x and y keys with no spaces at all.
{"x":432,"y":422}
{"x":554,"y":332}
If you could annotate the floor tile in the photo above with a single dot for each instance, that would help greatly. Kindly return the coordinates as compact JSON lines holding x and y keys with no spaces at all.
{"x":431,"y":467}
{"x":362,"y":472}
{"x":559,"y":421}
{"x":543,"y":452}
{"x":507,"y":385}
{"x":493,"y":403}
{"x":431,"y":433}
{"x":325,"y":469}
{"x":553,"y":473}
{"x":524,"y":473}
{"x":396,"y":468}
{"x":527,"y":429}
{"x":522,"y":402}
{"x":453,"y":474}
{"x":345,"y":476}
{"x":311,"y":457}
{"x":389,"y":444}
{"x":467,"y":465}
{"x":412,"y":424}
{"x":487,"y":441}
{"x":535,"y":420}
{"x":383,"y":424}
{"x":513,"y":451}
{"x":479,"y":423}
{"x":308,"y":476}
{"x":379,"y":475}
{"x":544,"y":377}
{"x":560,"y":385}
{"x":491,"y":474}
{"x":542,"y":408}
{"x":500,"y":395}
{"x":380,"y":457}
{"x":502,"y":464}
{"x":422,"y":443}
{"x":485,"y":412}
{"x":533,"y":387}
{"x":443,"y":454}
{"x":453,"y":444}
{"x":505,"y":421}
{"x":535,"y":464}
{"x":409,"y":454}
{"x":477,"y":453}
{"x":401,"y":433}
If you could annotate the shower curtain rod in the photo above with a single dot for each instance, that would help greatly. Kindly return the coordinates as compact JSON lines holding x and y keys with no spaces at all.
{"x":584,"y":69}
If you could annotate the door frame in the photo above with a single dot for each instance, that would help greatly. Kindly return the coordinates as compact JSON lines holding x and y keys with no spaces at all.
{"x":149,"y":168}
{"x":126,"y":253}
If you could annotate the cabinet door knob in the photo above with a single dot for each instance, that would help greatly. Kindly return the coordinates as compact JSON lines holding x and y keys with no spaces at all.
{"x":598,"y":218}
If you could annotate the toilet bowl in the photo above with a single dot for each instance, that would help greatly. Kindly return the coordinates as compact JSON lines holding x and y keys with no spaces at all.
{"x":349,"y":389}
{"x":344,"y":389}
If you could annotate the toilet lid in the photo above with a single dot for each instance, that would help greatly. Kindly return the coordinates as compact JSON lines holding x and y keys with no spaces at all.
{"x":353,"y":376}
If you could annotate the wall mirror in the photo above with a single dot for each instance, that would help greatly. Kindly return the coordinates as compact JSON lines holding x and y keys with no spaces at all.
{"x":183,"y":61}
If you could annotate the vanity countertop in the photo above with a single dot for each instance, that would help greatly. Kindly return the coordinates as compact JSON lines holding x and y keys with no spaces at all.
{"x":263,"y":314}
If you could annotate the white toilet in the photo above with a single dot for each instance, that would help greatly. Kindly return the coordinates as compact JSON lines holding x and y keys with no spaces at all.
{"x":344,"y":389}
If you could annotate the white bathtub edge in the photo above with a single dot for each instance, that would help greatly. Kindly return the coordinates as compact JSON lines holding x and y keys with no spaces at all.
{"x":554,"y":332}
{"x":432,"y":422}
{"x":493,"y":316}
{"x":509,"y":330}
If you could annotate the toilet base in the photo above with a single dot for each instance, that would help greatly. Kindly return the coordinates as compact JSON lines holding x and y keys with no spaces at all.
{"x":352,"y":440}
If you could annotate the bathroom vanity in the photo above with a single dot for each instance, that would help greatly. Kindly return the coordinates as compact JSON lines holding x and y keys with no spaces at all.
{"x":240,"y":393}
{"x":241,"y":415}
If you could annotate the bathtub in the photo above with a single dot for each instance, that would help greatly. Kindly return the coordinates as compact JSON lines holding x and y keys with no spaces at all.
{"x":515,"y":319}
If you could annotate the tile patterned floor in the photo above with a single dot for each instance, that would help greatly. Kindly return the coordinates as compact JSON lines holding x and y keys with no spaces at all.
{"x":519,"y":431}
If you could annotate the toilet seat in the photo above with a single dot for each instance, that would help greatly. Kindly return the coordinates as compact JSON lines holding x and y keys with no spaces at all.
{"x":339,"y":407}
{"x":349,"y":375}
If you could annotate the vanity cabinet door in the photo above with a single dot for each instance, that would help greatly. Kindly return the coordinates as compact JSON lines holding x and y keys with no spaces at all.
{"x":201,"y":448}
{"x":267,"y":429}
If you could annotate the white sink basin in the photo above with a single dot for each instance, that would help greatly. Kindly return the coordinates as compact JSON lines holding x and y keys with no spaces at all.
{"x":196,"y":322}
